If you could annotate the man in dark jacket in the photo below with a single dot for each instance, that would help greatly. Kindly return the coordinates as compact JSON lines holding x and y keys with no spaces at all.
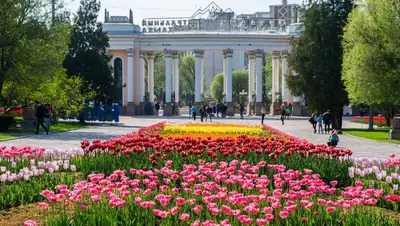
{"x":40,"y":114}
{"x":327,"y":121}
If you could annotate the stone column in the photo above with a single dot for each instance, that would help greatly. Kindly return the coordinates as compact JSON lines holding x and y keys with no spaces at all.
{"x":175,"y":66}
{"x":252,"y":58}
{"x":296,"y":105}
{"x":150,"y":78}
{"x":284,"y":88}
{"x":228,"y":53}
{"x":168,"y":83}
{"x":198,"y":54}
{"x":224,"y":80}
{"x":259,"y":100}
{"x":275,"y":107}
{"x":141,"y":91}
{"x":202,"y":74}
{"x":130,"y":110}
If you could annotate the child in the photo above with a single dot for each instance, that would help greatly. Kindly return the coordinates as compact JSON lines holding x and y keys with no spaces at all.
{"x":333,"y":139}
{"x":319,"y":121}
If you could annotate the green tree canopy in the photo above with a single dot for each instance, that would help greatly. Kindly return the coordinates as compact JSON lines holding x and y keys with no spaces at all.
{"x":317,"y":57}
{"x":186,"y":73}
{"x":240,"y":81}
{"x":87,"y":56}
{"x":26,"y":42}
{"x":217,"y":87}
{"x":371,"y":58}
{"x":62,"y":93}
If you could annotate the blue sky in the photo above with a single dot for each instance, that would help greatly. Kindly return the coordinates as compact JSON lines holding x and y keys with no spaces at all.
{"x":174,"y":8}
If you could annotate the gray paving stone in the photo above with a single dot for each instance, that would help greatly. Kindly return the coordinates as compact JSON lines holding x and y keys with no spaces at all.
{"x":299,"y":127}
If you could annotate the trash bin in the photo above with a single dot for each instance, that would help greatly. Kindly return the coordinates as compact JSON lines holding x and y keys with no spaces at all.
{"x":116,"y":112}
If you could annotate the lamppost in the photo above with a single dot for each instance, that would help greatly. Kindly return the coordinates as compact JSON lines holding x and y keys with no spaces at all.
{"x":242,"y":95}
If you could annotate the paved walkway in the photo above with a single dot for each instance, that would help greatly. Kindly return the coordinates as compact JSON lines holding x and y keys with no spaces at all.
{"x":299,"y":127}
{"x":70,"y":139}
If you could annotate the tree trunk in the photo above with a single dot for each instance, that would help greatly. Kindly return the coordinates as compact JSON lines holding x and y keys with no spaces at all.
{"x":337,"y":116}
{"x":2,"y":75}
{"x":340,"y":122}
{"x":371,"y":118}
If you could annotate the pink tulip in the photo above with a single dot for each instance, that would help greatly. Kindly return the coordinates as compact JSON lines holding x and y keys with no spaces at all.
{"x":29,"y":223}
{"x":330,"y":209}
{"x":184,"y":217}
{"x":284,"y":214}
{"x":269,"y":217}
{"x":43,"y":205}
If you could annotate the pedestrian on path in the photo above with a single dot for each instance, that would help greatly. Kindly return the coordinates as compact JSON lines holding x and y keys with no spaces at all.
{"x":40,"y":114}
{"x":263,"y":112}
{"x":313,"y":121}
{"x":190,"y":110}
{"x":193,"y":109}
{"x":48,"y":116}
{"x":327,"y":121}
{"x":241,"y":111}
{"x":209,"y":112}
{"x":320,"y":122}
{"x":283,"y":113}
{"x":202,"y":112}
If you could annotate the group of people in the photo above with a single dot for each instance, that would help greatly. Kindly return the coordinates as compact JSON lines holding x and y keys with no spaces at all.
{"x":286,"y":112}
{"x":44,"y":113}
{"x":207,"y":111}
{"x":320,"y":120}
{"x":324,"y":121}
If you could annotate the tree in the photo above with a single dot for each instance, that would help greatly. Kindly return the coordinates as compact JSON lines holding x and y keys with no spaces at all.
{"x":22,"y":28}
{"x":87,"y":56}
{"x":38,"y":60}
{"x":267,"y":79}
{"x":159,"y":76}
{"x":186,"y":73}
{"x":240,"y":81}
{"x":371,"y":57}
{"x":317,"y":57}
{"x":62,"y":93}
{"x":217,"y":88}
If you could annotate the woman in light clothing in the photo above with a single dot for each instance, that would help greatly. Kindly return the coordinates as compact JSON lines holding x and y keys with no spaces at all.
{"x":263,"y":112}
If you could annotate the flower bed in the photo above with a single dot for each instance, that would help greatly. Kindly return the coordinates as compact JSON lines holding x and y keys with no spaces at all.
{"x":205,"y":175}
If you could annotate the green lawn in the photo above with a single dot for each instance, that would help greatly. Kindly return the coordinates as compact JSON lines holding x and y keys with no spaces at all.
{"x":59,"y":127}
{"x":367,"y":122}
{"x":379,"y":134}
{"x":6,"y":136}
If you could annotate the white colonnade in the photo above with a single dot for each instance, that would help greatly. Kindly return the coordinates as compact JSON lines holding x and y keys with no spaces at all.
{"x":280,"y":92}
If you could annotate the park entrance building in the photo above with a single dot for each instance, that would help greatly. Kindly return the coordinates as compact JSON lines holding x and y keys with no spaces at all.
{"x":133,"y":50}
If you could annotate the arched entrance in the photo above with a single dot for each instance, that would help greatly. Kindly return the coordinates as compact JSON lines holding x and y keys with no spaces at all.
{"x":118,"y":79}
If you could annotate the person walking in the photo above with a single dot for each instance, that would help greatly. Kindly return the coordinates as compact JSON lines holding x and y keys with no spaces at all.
{"x":283,"y":113}
{"x":209,"y":112}
{"x":327,"y":121}
{"x":40,"y":115}
{"x":241,"y":111}
{"x":48,"y":116}
{"x":202,"y":112}
{"x":193,"y":109}
{"x":190,"y":110}
{"x":320,"y":122}
{"x":157,"y":106}
{"x":313,"y":121}
{"x":263,"y":112}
